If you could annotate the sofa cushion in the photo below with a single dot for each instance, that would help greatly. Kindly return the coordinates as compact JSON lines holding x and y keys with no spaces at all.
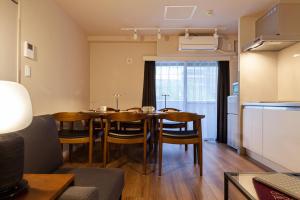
{"x":110,"y":182}
{"x":42,"y":148}
{"x":80,"y":193}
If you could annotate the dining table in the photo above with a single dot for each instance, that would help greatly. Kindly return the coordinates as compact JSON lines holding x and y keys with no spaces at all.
{"x":153,"y":118}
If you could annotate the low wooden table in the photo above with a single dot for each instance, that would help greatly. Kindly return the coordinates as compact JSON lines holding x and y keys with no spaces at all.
{"x":46,"y":186}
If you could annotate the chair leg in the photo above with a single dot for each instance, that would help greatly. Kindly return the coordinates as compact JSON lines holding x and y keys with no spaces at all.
{"x":195,"y":154}
{"x":145,"y":156}
{"x":90,"y":152}
{"x":108,"y":151}
{"x":200,"y":157}
{"x":104,"y":153}
{"x":70,"y":152}
{"x":186,"y":147}
{"x":160,"y":156}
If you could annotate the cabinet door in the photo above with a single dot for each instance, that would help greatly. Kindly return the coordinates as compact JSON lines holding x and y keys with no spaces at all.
{"x":252,"y":129}
{"x":247,"y":128}
{"x":281,"y":139}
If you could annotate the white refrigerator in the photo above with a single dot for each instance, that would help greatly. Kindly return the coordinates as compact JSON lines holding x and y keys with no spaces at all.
{"x":233,"y":122}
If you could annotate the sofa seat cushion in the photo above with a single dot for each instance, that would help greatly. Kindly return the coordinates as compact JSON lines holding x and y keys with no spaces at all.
{"x":110,"y":182}
{"x":80,"y":193}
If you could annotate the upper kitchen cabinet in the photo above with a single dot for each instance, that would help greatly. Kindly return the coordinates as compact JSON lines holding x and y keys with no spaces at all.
{"x":276,"y":29}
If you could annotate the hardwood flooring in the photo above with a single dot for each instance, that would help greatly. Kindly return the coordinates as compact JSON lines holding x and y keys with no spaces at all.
{"x":180,"y":177}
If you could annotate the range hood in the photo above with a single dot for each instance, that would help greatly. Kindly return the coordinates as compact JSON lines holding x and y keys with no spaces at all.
{"x":277,"y":29}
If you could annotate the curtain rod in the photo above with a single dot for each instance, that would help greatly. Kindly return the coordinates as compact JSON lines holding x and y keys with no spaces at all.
{"x":15,"y":1}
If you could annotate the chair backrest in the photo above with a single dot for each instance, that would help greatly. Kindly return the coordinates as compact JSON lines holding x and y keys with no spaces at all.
{"x":169,"y":110}
{"x":134,"y":109}
{"x":126,"y":116}
{"x":71,"y":117}
{"x":182,"y":116}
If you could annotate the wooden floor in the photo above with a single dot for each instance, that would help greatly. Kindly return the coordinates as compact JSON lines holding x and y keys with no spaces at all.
{"x":180,"y":177}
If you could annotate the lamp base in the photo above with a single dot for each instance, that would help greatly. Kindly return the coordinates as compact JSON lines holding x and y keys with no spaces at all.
{"x":13,"y":192}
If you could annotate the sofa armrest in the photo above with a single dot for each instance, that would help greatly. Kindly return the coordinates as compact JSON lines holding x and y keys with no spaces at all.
{"x":80,"y":193}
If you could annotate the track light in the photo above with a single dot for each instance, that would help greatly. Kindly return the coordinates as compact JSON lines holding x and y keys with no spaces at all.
{"x":158,"y":34}
{"x":135,"y":35}
{"x":216,"y":33}
{"x":186,"y":35}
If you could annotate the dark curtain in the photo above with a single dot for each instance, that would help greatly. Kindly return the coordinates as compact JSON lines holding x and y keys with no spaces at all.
{"x":149,"y":94}
{"x":223,"y":93}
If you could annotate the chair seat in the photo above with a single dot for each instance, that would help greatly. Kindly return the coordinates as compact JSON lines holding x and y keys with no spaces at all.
{"x":180,"y":134}
{"x":126,"y":134}
{"x":77,"y":133}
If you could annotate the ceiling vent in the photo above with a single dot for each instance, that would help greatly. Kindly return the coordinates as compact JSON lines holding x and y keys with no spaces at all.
{"x":179,"y":12}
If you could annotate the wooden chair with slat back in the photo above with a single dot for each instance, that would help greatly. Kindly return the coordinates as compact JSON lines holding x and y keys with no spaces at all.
{"x":174,"y":125}
{"x":135,"y":124}
{"x":182,"y":137}
{"x":126,"y":136}
{"x":71,"y":135}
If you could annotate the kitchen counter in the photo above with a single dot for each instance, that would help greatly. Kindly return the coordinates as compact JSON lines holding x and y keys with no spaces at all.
{"x":273,"y":104}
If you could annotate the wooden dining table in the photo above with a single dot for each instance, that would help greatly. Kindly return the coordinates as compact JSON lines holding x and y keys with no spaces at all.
{"x":153,"y":120}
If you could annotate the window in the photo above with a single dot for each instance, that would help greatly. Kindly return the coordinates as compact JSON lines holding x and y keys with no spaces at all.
{"x":191,"y":87}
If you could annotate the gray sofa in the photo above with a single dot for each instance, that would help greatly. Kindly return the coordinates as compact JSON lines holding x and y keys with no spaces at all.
{"x":43,"y":154}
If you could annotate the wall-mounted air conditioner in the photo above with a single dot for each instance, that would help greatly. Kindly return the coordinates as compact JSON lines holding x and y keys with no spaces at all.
{"x":208,"y":43}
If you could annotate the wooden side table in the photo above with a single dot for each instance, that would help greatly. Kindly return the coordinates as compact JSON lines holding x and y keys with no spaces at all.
{"x":46,"y":186}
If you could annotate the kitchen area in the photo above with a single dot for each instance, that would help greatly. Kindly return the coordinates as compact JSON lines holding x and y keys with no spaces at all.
{"x":268,"y":129}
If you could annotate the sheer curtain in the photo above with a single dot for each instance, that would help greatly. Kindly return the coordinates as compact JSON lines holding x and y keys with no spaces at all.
{"x":191,"y":87}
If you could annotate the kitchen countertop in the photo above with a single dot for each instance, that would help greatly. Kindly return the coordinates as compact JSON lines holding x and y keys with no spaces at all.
{"x":273,"y":104}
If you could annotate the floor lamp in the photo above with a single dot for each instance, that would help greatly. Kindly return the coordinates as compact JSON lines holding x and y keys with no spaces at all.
{"x":15,"y":115}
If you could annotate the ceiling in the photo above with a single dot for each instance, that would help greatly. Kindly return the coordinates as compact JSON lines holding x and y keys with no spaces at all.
{"x":107,"y":17}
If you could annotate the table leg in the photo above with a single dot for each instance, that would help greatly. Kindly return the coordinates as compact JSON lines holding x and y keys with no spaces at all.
{"x":225,"y":187}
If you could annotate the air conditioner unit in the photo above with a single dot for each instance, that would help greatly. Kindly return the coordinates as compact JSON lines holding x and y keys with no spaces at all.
{"x":209,"y":43}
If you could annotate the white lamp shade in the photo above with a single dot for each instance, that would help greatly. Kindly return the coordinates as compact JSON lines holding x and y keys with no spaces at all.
{"x":15,"y":107}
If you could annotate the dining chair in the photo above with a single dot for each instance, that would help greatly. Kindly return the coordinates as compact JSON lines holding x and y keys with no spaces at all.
{"x":133,"y":124}
{"x":174,"y":125}
{"x":72,"y":131}
{"x":127,"y":136}
{"x":182,"y":137}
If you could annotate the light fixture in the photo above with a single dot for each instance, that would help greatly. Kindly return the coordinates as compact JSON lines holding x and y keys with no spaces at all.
{"x":296,"y":55}
{"x":216,"y":33}
{"x":186,"y":35}
{"x":15,"y":114}
{"x":158,"y":34}
{"x":209,"y":13}
{"x":135,"y":35}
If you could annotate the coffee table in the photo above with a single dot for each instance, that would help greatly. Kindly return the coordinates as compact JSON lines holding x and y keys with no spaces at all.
{"x":240,"y":186}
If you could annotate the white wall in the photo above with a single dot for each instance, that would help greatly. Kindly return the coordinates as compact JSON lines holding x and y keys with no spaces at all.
{"x":111,"y":74}
{"x":258,"y":77}
{"x":289,"y":74}
{"x":60,"y":72}
{"x":8,"y":40}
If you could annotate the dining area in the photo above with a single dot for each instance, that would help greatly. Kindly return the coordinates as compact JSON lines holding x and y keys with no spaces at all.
{"x":108,"y":135}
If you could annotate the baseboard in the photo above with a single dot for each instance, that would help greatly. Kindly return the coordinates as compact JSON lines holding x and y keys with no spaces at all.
{"x":266,"y":164}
